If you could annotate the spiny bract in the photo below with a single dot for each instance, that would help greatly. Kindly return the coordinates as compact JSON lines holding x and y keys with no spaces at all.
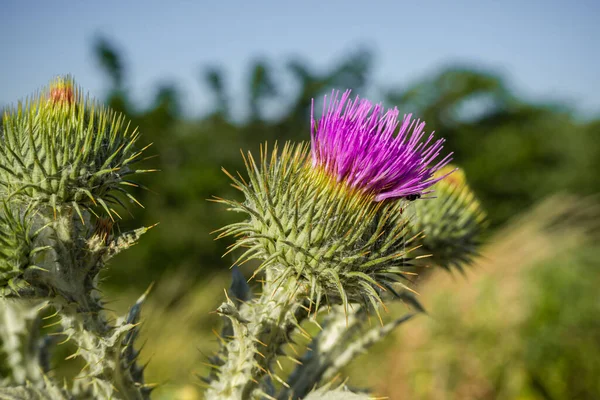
{"x":336,"y":240}
{"x":16,"y":246}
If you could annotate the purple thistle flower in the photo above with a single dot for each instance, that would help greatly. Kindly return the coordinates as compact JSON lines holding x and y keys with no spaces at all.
{"x":354,"y":141}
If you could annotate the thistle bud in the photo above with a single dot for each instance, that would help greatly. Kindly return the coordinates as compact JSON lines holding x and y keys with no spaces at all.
{"x":62,"y":91}
{"x":61,"y":149}
{"x":451,"y":223}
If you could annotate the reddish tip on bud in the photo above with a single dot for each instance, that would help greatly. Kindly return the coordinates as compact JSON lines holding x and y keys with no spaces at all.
{"x":452,"y":176}
{"x":62,"y":91}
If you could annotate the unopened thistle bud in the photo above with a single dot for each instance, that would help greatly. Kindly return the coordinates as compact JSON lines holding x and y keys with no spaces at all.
{"x":331,"y":215}
{"x":451,"y":223}
{"x":60,"y":148}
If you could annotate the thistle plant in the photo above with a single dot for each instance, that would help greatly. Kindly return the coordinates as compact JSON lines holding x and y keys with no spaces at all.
{"x":337,"y":228}
{"x":332,"y":226}
{"x":65,"y":164}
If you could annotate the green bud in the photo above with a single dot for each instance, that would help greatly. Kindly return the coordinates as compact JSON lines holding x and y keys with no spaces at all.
{"x":61,"y":148}
{"x":449,"y":225}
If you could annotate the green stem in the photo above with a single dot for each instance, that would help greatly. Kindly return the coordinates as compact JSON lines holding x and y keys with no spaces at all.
{"x":260,"y":329}
{"x":108,"y":374}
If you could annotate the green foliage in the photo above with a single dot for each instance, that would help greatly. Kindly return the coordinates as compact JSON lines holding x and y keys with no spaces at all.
{"x":561,"y":332}
{"x":524,"y":323}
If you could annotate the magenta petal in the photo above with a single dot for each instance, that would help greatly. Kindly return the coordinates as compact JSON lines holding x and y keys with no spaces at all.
{"x":360,"y":144}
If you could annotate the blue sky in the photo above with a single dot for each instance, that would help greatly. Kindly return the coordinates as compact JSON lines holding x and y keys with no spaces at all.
{"x":547,"y":50}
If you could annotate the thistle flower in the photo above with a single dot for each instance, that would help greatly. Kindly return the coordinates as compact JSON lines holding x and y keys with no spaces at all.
{"x":62,"y":91}
{"x":320,"y":219}
{"x":317,"y":222}
{"x":354,"y":142}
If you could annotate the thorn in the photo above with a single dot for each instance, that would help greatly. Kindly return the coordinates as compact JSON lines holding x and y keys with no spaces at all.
{"x":317,"y":324}
{"x":278,"y":379}
{"x":304,"y":333}
{"x":336,"y":377}
{"x":223,"y":341}
{"x":226,"y":295}
{"x":294,"y":349}
{"x":268,"y":396}
{"x":150,"y":385}
{"x":262,"y":369}
{"x":294,"y":360}
{"x":203,"y":384}
{"x":53,"y":324}
{"x":73,"y":356}
{"x":51,"y":316}
{"x":210,"y":365}
{"x":65,"y":341}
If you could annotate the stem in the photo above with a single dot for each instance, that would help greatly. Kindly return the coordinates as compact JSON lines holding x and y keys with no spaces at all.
{"x":260,"y":329}
{"x":21,"y":342}
{"x":337,"y":329}
{"x":108,"y":373}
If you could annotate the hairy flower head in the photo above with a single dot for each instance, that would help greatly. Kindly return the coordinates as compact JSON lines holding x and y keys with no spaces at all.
{"x":360,"y":144}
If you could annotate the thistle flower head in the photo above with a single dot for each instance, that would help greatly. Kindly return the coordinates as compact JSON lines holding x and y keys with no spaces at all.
{"x":317,"y":213}
{"x":338,"y":243}
{"x":356,"y":142}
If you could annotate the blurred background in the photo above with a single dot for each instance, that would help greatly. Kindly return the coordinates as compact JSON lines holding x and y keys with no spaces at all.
{"x":513,"y":87}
